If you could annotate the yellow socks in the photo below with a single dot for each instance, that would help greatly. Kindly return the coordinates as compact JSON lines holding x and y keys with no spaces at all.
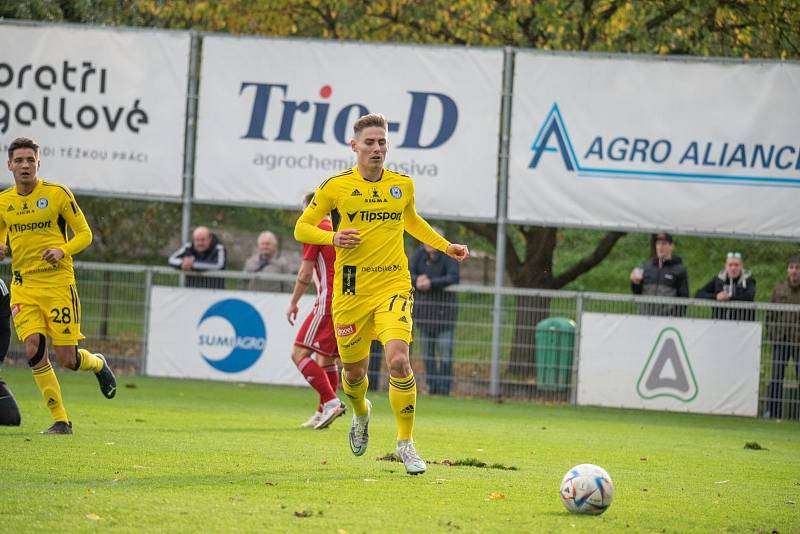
{"x":357,"y":393}
{"x":89,"y":362}
{"x":47,"y":382}
{"x":403,"y":399}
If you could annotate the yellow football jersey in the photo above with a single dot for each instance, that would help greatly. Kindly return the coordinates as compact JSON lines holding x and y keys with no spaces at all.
{"x":38,"y":221}
{"x":380,"y":211}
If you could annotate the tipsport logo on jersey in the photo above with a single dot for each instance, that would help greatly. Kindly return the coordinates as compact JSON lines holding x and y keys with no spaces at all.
{"x":231,"y":336}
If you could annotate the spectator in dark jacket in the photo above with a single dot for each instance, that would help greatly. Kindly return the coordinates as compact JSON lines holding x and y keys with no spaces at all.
{"x":661,"y":276}
{"x":435,"y":313}
{"x":204,"y":253}
{"x":784,"y":332}
{"x":732,"y":284}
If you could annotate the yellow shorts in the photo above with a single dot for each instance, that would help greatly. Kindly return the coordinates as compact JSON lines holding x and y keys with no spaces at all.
{"x":52,"y":311}
{"x":358,"y":320}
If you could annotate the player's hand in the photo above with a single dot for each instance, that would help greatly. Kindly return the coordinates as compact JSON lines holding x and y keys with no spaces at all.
{"x":52,"y":255}
{"x":291,"y":313}
{"x":347,"y":238}
{"x":3,"y":252}
{"x":457,"y":252}
{"x":187,"y":263}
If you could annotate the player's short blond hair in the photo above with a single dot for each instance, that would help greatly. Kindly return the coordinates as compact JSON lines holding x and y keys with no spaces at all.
{"x":371,"y":119}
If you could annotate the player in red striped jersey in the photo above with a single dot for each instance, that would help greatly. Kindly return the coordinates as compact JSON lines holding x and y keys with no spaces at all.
{"x":316,"y":333}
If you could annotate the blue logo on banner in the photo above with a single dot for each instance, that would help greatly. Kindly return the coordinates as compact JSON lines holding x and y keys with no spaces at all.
{"x":753,"y":164}
{"x":245,"y":345}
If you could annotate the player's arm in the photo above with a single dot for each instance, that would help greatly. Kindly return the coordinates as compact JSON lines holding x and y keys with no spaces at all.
{"x":422,"y":231}
{"x":304,"y":275}
{"x":82,"y":234}
{"x":3,"y":239}
{"x":307,"y":231}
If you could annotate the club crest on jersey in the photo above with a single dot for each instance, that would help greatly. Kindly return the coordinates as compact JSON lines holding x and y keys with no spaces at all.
{"x":396,"y":192}
{"x":41,"y":203}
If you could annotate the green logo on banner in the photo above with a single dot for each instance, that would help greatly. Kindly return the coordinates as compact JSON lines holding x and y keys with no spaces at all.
{"x":668,"y":371}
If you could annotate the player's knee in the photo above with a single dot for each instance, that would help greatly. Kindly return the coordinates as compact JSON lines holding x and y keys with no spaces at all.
{"x":398,"y":363}
{"x":354,"y":374}
{"x":35,"y":349}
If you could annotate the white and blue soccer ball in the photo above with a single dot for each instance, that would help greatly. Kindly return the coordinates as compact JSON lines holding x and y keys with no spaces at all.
{"x":587,"y":489}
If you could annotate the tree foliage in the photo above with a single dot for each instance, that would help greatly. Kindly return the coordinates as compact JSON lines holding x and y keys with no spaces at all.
{"x":727,"y":28}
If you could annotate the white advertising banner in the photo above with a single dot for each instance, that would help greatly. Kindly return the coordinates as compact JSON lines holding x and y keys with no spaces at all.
{"x":665,"y":363}
{"x":107,"y":106}
{"x":275,"y":119}
{"x":240,"y":336}
{"x":693,"y":147}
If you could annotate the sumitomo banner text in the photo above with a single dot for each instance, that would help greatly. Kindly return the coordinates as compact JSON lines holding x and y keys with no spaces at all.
{"x":667,"y":363}
{"x":276,"y":117}
{"x":106,"y":106}
{"x":221,"y":335}
{"x":696,"y":147}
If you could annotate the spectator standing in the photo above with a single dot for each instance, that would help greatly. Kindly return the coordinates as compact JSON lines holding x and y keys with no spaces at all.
{"x":664,"y":275}
{"x":435,"y":313}
{"x":784,"y":330}
{"x":732,"y":284}
{"x":266,"y":260}
{"x":204,"y":253}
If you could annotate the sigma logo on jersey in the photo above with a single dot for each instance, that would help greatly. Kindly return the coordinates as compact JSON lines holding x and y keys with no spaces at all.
{"x":375,"y":196}
{"x":344,"y":330}
{"x":41,"y":203}
{"x":372,"y":216}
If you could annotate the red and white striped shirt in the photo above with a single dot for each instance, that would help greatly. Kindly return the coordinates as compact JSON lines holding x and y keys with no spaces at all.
{"x":323,"y":257}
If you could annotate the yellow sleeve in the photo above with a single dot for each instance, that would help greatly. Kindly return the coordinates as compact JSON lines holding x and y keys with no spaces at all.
{"x":82,"y":237}
{"x":3,"y":231}
{"x":420,"y":229}
{"x":306,"y":229}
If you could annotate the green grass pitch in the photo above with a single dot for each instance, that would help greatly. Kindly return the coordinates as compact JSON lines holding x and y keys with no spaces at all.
{"x":170,"y":455}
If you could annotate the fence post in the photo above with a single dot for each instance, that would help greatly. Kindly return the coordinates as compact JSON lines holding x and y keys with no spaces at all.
{"x":576,"y":349}
{"x":189,"y":144}
{"x":502,"y":209}
{"x":148,"y":285}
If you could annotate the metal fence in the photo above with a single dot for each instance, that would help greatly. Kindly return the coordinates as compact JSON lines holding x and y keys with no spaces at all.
{"x":529,"y":362}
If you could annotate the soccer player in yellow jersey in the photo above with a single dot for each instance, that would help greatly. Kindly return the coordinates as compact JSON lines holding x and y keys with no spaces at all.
{"x":34,"y":215}
{"x":372,"y":296}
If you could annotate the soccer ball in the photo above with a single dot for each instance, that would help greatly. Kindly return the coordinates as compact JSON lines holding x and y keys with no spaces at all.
{"x":587,"y":489}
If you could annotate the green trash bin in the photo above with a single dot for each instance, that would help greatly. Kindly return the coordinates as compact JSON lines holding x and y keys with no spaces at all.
{"x":555,"y":341}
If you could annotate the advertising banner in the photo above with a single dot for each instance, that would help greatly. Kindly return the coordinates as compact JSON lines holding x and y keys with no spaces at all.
{"x":664,"y":363}
{"x":638,"y":144}
{"x":107,"y":106}
{"x":239,"y":336}
{"x":276,"y":116}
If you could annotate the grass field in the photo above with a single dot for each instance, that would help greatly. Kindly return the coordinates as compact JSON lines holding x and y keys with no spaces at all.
{"x":169,"y":455}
